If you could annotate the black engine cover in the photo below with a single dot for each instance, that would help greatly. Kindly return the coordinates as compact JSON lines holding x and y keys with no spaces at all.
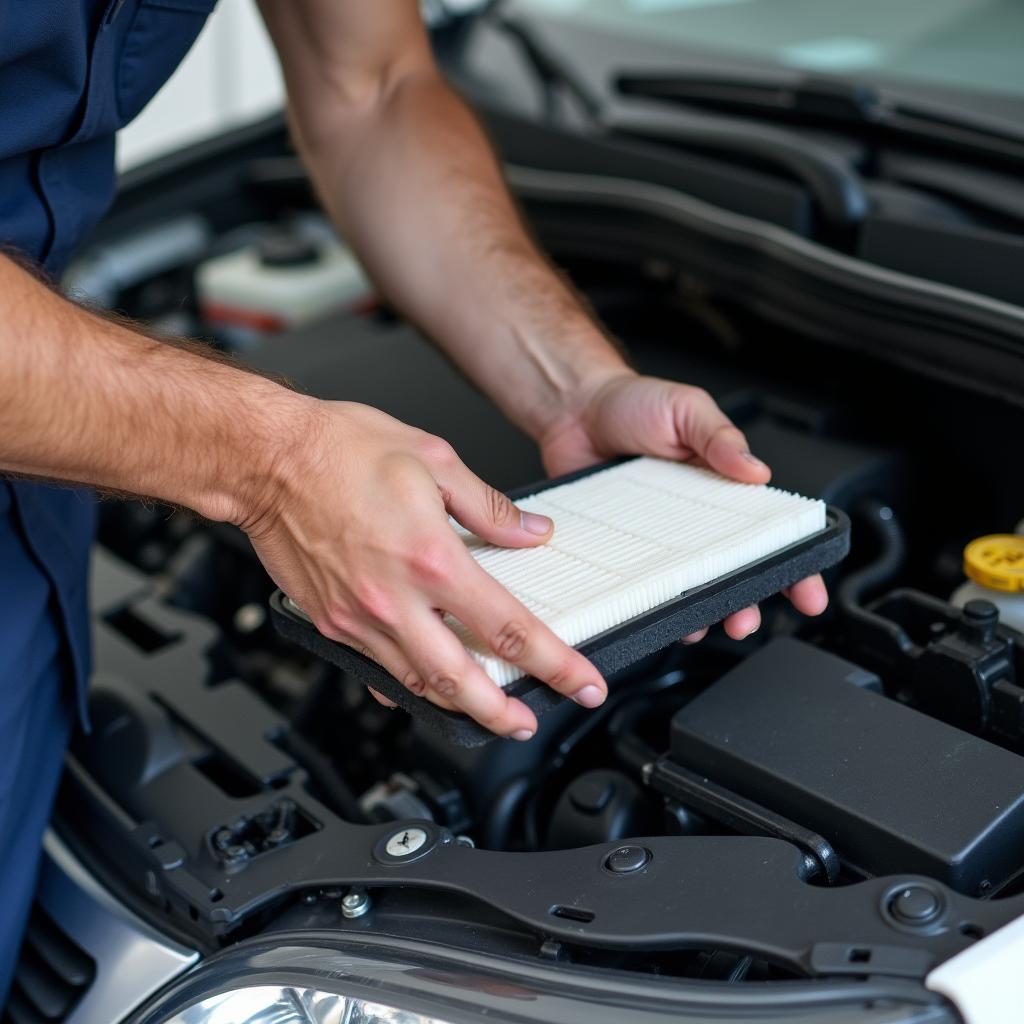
{"x":892,"y":789}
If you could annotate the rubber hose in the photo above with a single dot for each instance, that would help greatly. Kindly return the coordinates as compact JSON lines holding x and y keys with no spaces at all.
{"x":885,"y":527}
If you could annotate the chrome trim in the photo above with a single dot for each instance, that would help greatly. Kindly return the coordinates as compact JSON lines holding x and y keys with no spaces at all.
{"x":133,"y":960}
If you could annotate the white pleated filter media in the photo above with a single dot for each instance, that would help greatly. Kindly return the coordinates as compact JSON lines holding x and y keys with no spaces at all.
{"x":631,"y":537}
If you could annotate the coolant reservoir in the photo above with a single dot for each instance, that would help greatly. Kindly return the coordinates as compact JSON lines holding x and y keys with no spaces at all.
{"x":994,"y":566}
{"x":285,"y":279}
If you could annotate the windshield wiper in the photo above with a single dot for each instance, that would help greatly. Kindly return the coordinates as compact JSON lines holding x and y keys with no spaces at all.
{"x":554,"y":74}
{"x":836,"y":187}
{"x":830,"y":102}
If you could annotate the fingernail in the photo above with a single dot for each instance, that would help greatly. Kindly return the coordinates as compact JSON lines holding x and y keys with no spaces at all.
{"x":533,"y":523}
{"x":752,"y":459}
{"x":590,"y":696}
{"x":522,"y":735}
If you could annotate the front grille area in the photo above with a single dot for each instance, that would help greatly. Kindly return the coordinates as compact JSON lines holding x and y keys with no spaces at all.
{"x":52,"y":975}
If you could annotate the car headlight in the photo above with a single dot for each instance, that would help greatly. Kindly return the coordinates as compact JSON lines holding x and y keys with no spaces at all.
{"x":287,"y":1004}
{"x":326,"y":978}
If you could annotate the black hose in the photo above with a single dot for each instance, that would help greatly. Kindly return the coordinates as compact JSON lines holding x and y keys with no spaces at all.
{"x":331,"y":787}
{"x":880,"y":519}
{"x":312,"y":706}
{"x":633,"y":752}
{"x":502,"y":815}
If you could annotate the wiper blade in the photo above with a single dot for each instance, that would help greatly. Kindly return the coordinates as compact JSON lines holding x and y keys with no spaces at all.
{"x":829,"y":101}
{"x":551,"y":70}
{"x":837,"y":188}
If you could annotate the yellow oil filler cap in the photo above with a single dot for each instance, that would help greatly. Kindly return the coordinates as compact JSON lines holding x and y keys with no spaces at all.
{"x":996,"y":561}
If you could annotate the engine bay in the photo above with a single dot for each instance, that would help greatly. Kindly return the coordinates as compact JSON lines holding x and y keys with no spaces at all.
{"x":833,"y":797}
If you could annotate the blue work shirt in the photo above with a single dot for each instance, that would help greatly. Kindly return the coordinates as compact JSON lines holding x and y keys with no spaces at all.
{"x":71,"y":73}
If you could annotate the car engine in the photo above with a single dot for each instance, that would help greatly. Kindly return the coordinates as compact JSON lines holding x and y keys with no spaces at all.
{"x":838,"y":797}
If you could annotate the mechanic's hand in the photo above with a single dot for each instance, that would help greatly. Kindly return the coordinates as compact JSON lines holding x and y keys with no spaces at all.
{"x":633,"y":415}
{"x":358,"y":536}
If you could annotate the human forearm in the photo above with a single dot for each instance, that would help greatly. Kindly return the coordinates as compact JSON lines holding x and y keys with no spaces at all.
{"x":406,"y":172}
{"x":423,"y":201}
{"x":347,"y":508}
{"x":87,"y":400}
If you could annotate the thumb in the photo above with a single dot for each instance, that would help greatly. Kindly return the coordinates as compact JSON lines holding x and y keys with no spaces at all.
{"x":727,"y":453}
{"x":713,"y":437}
{"x":490,"y":514}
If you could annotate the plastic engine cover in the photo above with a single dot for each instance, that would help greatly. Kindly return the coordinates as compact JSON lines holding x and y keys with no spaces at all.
{"x":892,"y":789}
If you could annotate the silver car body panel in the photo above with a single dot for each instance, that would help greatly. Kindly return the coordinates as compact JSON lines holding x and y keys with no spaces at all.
{"x":133,"y":961}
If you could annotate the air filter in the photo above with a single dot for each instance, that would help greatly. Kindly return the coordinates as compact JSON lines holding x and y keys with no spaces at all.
{"x":644,"y":552}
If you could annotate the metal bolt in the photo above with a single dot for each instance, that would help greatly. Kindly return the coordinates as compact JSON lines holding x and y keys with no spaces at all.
{"x":405,"y":842}
{"x":249,"y":618}
{"x":355,"y":904}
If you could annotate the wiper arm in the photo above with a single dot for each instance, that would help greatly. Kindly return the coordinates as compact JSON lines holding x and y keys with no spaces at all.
{"x":837,"y":188}
{"x":553,"y":72}
{"x":829,"y":101}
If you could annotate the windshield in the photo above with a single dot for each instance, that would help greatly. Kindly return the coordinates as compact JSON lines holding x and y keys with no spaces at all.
{"x":965,"y":44}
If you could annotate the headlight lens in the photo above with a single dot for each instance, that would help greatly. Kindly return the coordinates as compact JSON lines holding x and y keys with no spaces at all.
{"x":330,"y":979}
{"x":284,"y":1004}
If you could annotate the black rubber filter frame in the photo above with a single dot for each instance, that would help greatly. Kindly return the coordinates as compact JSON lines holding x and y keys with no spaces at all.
{"x":611,"y":651}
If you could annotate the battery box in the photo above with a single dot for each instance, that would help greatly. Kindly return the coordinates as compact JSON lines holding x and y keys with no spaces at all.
{"x":803,"y":733}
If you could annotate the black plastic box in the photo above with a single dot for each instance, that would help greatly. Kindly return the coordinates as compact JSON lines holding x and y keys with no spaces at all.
{"x":892,"y":789}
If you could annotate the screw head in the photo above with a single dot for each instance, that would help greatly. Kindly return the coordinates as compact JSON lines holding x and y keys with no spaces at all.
{"x":627,"y":859}
{"x":915,"y":905}
{"x":355,"y":904}
{"x":249,"y":618}
{"x":405,"y":842}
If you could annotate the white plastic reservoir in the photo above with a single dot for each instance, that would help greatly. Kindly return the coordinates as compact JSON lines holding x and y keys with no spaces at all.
{"x":994,"y":566}
{"x":286,"y":278}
